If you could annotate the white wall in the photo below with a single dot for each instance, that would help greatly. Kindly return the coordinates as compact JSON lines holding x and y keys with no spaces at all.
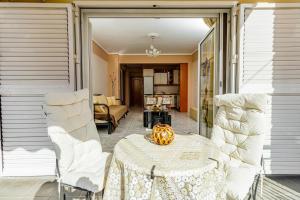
{"x":100,"y":75}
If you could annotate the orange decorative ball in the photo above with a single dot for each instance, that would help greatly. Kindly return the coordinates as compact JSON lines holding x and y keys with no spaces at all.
{"x":162,"y":134}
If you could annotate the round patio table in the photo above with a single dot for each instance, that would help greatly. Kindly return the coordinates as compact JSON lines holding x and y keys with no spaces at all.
{"x":184,"y":169}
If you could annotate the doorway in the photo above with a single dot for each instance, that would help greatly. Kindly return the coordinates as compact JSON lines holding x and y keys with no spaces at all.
{"x":136,"y":92}
{"x":138,"y":53}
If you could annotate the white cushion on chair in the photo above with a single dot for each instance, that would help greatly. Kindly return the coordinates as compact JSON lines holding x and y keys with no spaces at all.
{"x":238,"y":181}
{"x":89,"y":172}
{"x":239,"y":129}
{"x":76,"y":141}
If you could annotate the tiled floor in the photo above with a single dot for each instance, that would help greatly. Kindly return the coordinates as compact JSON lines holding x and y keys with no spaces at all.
{"x":45,"y":188}
{"x":34,"y":188}
{"x":292,"y":182}
{"x":133,"y":124}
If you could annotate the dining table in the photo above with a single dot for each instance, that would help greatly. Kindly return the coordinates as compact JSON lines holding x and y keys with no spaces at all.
{"x":185,"y":169}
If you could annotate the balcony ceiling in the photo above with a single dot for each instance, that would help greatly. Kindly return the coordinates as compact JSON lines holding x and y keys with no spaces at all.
{"x":129,"y":35}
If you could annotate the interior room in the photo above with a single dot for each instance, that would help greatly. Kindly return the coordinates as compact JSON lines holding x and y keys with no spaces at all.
{"x":152,"y":80}
{"x":139,"y":60}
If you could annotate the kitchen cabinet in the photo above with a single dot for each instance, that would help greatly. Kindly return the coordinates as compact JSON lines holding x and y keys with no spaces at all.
{"x":160,"y":78}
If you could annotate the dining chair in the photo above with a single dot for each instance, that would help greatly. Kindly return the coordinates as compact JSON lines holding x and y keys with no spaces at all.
{"x":81,"y":164}
{"x":159,"y":101}
{"x":239,"y":129}
{"x":150,"y":100}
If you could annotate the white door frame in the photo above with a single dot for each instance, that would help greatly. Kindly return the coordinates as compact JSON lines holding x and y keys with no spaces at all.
{"x":155,"y":4}
{"x":132,"y":13}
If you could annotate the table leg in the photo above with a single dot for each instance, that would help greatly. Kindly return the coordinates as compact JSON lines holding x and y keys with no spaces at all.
{"x":149,"y":120}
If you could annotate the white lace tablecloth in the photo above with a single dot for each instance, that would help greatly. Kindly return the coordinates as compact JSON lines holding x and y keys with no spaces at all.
{"x":141,"y":170}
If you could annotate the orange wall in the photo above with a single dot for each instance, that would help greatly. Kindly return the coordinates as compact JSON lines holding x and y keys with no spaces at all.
{"x":137,"y":59}
{"x":113,"y":68}
{"x":99,"y":51}
{"x":184,"y":87}
{"x":114,"y":61}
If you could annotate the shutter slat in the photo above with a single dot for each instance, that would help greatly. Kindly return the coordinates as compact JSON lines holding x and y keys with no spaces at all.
{"x":24,"y":121}
{"x":271,"y":64}
{"x":34,"y":26}
{"x":32,"y":45}
{"x":35,"y":59}
{"x":34,"y":31}
{"x":34,"y":50}
{"x":37,"y":54}
{"x":35,"y":63}
{"x":32,"y":130}
{"x":37,"y":82}
{"x":44,"y":36}
{"x":26,"y":139}
{"x":273,"y":12}
{"x":23,"y":107}
{"x":32,"y":11}
{"x":40,"y":68}
{"x":40,"y":74}
{"x":32,"y":16}
{"x":33,"y":78}
{"x":268,"y":72}
{"x":32,"y":21}
{"x":32,"y":40}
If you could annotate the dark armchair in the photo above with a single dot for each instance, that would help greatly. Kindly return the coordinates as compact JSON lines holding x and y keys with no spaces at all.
{"x":108,"y":111}
{"x":105,"y":119}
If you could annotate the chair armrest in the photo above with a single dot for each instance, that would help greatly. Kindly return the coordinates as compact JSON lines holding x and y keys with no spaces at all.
{"x":57,"y":168}
{"x":107,"y":108}
{"x":90,"y":148}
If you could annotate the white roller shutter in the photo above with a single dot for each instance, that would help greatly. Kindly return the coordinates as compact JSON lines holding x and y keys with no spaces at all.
{"x":270,"y":63}
{"x":36,"y":57}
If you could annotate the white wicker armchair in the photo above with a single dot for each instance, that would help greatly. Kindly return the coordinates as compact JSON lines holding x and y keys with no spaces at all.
{"x":238,"y":131}
{"x":80,"y":161}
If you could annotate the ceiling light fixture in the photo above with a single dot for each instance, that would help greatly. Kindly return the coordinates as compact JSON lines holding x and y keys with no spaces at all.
{"x":152,"y":52}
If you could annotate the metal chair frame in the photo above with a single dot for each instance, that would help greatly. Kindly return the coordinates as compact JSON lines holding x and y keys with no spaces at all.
{"x":258,"y":177}
{"x":61,"y":188}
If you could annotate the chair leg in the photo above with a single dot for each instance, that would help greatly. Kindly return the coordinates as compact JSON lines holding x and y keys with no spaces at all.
{"x":250,"y":191}
{"x":109,"y":128}
{"x":87,"y":196}
{"x":261,"y":186}
{"x":256,"y":186}
{"x":61,"y":192}
{"x":249,"y":197}
{"x":90,"y":195}
{"x":93,"y":196}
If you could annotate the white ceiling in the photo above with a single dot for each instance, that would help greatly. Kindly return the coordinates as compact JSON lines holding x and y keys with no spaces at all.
{"x":129,"y":35}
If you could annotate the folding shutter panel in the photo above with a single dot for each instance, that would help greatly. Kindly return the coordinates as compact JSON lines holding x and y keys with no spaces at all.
{"x":35,"y":58}
{"x":270,"y":63}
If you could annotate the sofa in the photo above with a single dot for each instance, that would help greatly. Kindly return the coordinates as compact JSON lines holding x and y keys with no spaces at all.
{"x":108,"y":109}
